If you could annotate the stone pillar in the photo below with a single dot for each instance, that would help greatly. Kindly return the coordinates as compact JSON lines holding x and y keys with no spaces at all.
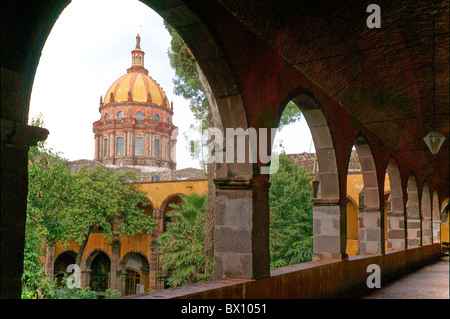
{"x":370,"y":240}
{"x":395,"y":223}
{"x":153,"y":272}
{"x":327,"y":229}
{"x":16,"y":138}
{"x":241,"y":236}
{"x":115,"y":265}
{"x":85,"y":278}
{"x":413,"y":220}
{"x":426,"y":231}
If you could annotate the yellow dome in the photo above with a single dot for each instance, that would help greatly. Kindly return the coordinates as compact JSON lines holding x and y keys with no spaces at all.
{"x":139,"y":85}
{"x":136,"y":85}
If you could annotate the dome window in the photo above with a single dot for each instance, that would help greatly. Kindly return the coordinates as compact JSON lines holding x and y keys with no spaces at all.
{"x":157,"y":117}
{"x":139,"y":146}
{"x":168,"y":120}
{"x":120,"y":115}
{"x":106,"y":116}
{"x":139,"y":115}
{"x":119,"y":143}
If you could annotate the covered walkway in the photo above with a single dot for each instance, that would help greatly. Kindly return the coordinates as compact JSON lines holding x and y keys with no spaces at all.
{"x":429,"y":282}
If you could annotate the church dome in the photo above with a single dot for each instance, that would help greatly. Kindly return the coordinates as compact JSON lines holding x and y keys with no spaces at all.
{"x":136,"y":85}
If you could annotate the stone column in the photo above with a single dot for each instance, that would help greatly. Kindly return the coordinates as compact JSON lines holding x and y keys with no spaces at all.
{"x":153,"y":282}
{"x":241,"y":236}
{"x":413,"y":220}
{"x":16,"y":138}
{"x":327,"y":229}
{"x":395,"y":223}
{"x":369,"y":225}
{"x":427,"y":231}
{"x":115,"y":265}
{"x":85,"y":278}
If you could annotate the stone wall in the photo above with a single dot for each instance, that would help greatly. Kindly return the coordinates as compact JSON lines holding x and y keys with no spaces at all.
{"x":145,"y":173}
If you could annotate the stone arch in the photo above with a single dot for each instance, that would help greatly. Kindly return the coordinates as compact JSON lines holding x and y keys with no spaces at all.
{"x":414,"y":233}
{"x":369,"y":200}
{"x":436,"y":221}
{"x":198,"y":33}
{"x":395,"y":212}
{"x":328,"y":239}
{"x":426,"y":209}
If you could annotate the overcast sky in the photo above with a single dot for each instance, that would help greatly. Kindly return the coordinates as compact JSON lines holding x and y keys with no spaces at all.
{"x":89,"y":48}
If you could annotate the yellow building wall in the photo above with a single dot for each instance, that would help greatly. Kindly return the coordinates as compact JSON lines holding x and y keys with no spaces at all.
{"x":445,"y":231}
{"x":159,"y":191}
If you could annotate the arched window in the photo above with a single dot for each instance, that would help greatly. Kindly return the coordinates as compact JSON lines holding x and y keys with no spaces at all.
{"x":120,"y":115}
{"x":139,"y":115}
{"x":157,"y":117}
{"x":106,"y":116}
{"x":168,"y":120}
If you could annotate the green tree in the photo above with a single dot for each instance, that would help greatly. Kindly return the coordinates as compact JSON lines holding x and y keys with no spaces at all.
{"x":290,"y":198}
{"x":105,"y":200}
{"x":50,"y":187}
{"x":182,"y":245}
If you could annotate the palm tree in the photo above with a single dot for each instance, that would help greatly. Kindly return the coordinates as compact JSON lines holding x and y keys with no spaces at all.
{"x":182,"y":245}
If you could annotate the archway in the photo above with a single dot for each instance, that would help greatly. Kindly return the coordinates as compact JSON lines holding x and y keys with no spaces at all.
{"x":166,"y":208}
{"x":63,"y":260}
{"x":327,"y":233}
{"x":100,"y":265}
{"x":136,"y":267}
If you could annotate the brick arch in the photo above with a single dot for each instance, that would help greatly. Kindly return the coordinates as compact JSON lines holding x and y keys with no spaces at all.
{"x":413,"y":217}
{"x":395,"y":212}
{"x":425,"y":205}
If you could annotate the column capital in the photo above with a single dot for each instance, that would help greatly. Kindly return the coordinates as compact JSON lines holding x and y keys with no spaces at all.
{"x":14,"y":133}
{"x":235,"y":182}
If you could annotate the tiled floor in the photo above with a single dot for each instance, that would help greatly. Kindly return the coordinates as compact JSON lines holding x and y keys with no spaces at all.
{"x":430,"y":282}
